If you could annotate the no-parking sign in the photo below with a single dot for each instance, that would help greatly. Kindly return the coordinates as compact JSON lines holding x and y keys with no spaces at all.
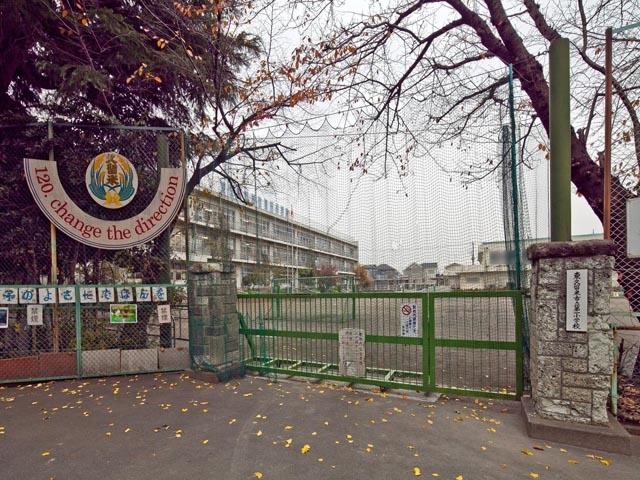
{"x":409,"y":320}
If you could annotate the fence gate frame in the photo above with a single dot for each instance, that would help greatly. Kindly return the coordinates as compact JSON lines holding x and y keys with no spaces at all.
{"x":255,"y":341}
{"x":44,"y":359}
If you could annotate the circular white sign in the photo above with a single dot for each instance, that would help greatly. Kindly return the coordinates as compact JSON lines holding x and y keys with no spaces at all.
{"x":111,"y":180}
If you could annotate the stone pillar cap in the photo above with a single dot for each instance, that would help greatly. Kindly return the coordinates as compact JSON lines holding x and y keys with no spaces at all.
{"x":584,"y":248}
{"x":205,"y":268}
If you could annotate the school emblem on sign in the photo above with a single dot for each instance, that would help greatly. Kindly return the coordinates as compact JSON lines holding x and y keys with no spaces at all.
{"x":111,"y":180}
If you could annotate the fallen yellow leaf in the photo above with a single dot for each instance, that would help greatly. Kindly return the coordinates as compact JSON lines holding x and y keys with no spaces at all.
{"x":305,"y":448}
{"x":416,"y":471}
{"x":605,"y":462}
{"x":459,"y":477}
{"x":259,"y":433}
{"x":205,"y":441}
{"x":526,"y":452}
{"x":573,"y":462}
{"x":288,"y":427}
{"x":533,"y":475}
{"x":258,"y":474}
{"x":45,"y":454}
{"x":435,"y":474}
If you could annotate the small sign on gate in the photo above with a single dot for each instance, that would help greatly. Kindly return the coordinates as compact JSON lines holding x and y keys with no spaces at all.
{"x":34,"y":315}
{"x":351,"y":352}
{"x":123,"y":313}
{"x":409,"y":320}
{"x":164,"y":313}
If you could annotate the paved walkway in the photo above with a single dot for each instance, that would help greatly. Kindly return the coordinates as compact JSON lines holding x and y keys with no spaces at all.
{"x":173,"y":427}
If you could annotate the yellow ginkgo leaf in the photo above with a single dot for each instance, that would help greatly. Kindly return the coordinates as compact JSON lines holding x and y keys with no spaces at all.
{"x":258,"y":474}
{"x":459,"y":477}
{"x":533,"y":475}
{"x":259,"y":433}
{"x":305,"y":448}
{"x":435,"y":474}
{"x":45,"y":454}
{"x":605,"y":462}
{"x":288,"y":427}
{"x":205,"y":441}
{"x":572,"y":461}
{"x":416,"y":471}
{"x":526,"y":452}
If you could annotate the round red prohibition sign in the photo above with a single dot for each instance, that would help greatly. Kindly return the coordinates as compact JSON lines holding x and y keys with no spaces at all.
{"x":406,"y":309}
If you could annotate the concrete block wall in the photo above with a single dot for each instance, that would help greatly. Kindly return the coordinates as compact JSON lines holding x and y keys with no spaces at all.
{"x":570,"y":371}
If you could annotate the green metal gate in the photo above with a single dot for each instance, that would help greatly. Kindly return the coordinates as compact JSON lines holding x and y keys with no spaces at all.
{"x":465,"y":343}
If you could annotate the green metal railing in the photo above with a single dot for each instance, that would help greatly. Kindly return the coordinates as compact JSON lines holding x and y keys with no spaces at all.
{"x":467,"y":342}
{"x":77,"y":339}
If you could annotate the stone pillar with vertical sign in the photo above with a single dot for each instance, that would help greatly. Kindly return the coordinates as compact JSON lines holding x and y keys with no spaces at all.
{"x":571,"y":341}
{"x":571,"y":346}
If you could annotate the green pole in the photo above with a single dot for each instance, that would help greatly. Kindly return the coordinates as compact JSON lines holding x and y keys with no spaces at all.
{"x":164,"y":243}
{"x":560,"y":138}
{"x":514,"y":181}
{"x":78,"y":315}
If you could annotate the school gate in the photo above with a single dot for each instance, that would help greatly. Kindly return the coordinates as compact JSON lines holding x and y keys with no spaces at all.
{"x":458,"y":342}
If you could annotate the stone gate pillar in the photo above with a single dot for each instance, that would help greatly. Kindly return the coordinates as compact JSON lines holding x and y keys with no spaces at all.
{"x":571,"y":370}
{"x":213,"y":320}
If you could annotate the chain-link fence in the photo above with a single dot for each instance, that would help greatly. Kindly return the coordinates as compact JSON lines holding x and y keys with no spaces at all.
{"x":88,"y":330}
{"x":78,"y":292}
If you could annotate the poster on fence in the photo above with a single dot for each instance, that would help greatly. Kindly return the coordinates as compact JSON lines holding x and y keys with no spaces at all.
{"x":123,"y":313}
{"x":351,"y":352}
{"x":164,"y":313}
{"x":34,"y":315}
{"x":409,"y":320}
{"x":4,"y":317}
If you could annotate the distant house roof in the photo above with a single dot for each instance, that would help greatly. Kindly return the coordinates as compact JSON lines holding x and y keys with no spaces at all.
{"x":382,"y":271}
{"x":429,"y":265}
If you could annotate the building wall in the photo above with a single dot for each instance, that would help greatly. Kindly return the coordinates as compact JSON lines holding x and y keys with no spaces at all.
{"x":222,"y":227}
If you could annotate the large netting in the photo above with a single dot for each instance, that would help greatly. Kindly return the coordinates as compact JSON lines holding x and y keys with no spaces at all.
{"x":427,"y":209}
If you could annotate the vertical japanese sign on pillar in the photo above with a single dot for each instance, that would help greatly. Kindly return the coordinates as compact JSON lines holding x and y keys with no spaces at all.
{"x":576,"y":301}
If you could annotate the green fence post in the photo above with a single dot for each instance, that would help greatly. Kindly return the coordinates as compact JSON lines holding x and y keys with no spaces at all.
{"x":353,"y":301}
{"x":519,"y":354}
{"x":432,"y":340}
{"x":426,"y":344}
{"x":78,"y":334}
{"x":514,"y":182}
{"x":560,"y":139}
